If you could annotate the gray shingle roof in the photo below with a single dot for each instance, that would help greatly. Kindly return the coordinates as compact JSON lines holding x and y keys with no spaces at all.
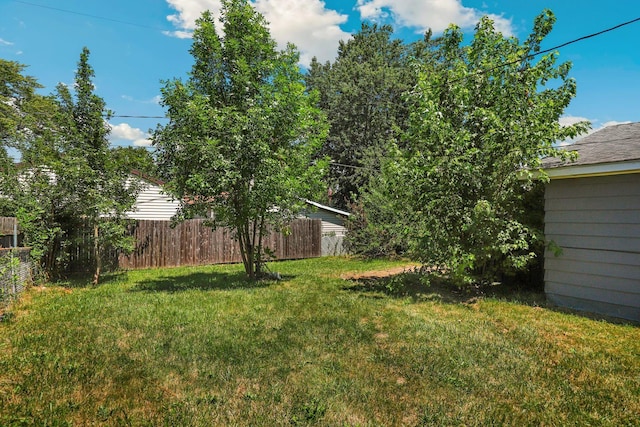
{"x":619,"y":143}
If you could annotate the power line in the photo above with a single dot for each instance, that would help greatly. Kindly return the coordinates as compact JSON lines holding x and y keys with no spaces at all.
{"x":89,"y":15}
{"x":586,"y":37}
{"x":478,"y":73}
{"x":542,"y":52}
{"x":125,"y":116}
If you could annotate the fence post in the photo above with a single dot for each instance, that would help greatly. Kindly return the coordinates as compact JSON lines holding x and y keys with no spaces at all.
{"x":15,"y":234}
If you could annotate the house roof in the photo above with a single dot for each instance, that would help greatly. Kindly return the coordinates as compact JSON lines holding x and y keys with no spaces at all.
{"x":612,"y":150}
{"x":146,"y":177}
{"x":327,"y":208}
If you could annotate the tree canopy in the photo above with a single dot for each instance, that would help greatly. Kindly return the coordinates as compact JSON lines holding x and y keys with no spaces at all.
{"x":69,"y":178}
{"x":362,"y":94}
{"x":482,"y":115}
{"x":242,"y":130}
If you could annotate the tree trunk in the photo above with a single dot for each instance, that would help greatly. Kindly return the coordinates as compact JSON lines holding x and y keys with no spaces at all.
{"x":246,"y":250}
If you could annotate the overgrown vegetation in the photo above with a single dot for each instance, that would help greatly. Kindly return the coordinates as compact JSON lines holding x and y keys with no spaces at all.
{"x":428,"y":143}
{"x":68,"y":178}
{"x":205,"y":347}
{"x":454,"y":192}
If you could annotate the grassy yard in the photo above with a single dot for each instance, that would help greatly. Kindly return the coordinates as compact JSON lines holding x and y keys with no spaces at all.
{"x":203,"y":347}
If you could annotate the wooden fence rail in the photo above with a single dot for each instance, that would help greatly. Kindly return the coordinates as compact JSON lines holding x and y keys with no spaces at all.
{"x":191,"y":242}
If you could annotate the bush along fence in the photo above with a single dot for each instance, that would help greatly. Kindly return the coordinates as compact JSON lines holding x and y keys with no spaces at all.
{"x":16,"y":272}
{"x":192,"y":242}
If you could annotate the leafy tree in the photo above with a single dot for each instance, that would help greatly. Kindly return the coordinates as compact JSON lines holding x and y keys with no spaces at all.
{"x":242,"y":131}
{"x":25,"y":116}
{"x":71,"y":179}
{"x":488,"y":110}
{"x":362,"y":95}
{"x":98,"y":186}
{"x":17,"y":99}
{"x":135,"y":158}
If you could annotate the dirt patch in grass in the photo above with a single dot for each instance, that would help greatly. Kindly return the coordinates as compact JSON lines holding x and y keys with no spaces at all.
{"x":379,"y":274}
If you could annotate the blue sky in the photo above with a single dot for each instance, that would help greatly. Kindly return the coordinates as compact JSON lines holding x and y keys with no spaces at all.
{"x":136,"y":44}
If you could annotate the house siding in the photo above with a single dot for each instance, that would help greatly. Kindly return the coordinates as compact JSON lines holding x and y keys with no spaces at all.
{"x":596,"y":223}
{"x":332,"y":224}
{"x":333,"y":231}
{"x":153,"y":204}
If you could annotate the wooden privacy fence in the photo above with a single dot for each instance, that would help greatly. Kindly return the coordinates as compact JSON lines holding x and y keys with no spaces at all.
{"x":193,"y":243}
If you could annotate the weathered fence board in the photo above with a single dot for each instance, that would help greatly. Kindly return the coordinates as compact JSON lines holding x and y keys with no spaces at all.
{"x":7,"y":225}
{"x":191,"y":242}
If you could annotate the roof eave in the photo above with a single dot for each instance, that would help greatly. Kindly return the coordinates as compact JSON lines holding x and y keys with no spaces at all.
{"x":599,"y":169}
{"x":326,"y":208}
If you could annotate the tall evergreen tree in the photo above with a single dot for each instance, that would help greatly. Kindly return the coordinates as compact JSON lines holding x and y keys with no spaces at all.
{"x":71,"y":179}
{"x":362,"y":94}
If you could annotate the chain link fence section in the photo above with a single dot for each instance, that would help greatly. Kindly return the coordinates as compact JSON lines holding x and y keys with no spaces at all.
{"x":16,"y":272}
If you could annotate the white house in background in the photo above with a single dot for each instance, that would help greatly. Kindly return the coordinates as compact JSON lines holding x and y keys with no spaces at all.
{"x":152,"y":203}
{"x":333,"y":226}
{"x":592,"y":212}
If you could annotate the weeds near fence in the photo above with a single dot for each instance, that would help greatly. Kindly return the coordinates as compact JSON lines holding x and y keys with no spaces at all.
{"x":15,"y":272}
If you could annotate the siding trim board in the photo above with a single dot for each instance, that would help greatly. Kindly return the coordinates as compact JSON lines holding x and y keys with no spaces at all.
{"x":595,"y":283}
{"x":593,"y":295}
{"x":613,"y":258}
{"x":604,"y":169}
{"x":603,"y":229}
{"x":613,"y":216}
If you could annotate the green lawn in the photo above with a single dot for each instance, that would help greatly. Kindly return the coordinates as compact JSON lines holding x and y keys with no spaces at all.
{"x":203,"y":347}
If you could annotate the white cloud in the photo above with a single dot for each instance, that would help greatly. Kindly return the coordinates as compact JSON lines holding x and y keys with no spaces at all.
{"x":309,"y":24}
{"x":190,"y":10}
{"x":425,"y":14}
{"x":612,"y":123}
{"x":124,"y":131}
{"x":179,"y":34}
{"x":142,"y":142}
{"x":5,"y":42}
{"x":571,"y":120}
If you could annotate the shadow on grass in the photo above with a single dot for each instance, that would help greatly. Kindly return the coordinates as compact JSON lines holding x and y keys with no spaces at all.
{"x":413,"y":286}
{"x":200,"y":281}
{"x":78,"y":280}
{"x":592,"y":316}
